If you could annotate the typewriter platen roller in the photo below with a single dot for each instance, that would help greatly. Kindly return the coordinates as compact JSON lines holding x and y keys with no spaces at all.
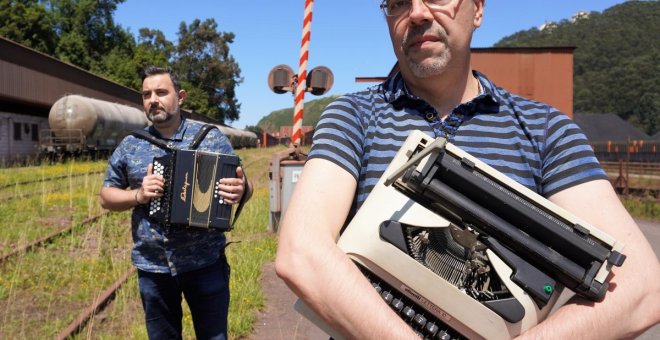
{"x":480,"y":257}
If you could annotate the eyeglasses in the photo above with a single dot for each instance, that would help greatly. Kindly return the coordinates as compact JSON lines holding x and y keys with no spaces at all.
{"x":395,"y":8}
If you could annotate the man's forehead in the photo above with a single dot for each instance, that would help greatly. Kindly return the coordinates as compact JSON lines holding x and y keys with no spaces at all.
{"x":158,"y":81}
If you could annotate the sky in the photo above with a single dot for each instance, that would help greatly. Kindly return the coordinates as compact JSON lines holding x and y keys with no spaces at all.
{"x":349,"y":37}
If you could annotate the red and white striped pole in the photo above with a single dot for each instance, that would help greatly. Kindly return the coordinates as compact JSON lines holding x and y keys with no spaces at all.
{"x":302,"y":74}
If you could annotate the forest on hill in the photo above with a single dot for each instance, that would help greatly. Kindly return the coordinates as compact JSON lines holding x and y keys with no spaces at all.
{"x":616,"y":68}
{"x":284,"y":117}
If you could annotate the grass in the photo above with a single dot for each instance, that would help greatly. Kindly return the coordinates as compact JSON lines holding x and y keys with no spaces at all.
{"x":47,"y":288}
{"x":252,"y":246}
{"x":645,"y":208}
{"x":41,"y":292}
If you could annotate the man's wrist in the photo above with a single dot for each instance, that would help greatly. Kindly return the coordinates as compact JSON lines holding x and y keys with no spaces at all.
{"x":137,"y":201}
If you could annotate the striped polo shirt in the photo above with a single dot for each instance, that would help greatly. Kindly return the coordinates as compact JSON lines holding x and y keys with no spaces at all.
{"x":531,"y":142}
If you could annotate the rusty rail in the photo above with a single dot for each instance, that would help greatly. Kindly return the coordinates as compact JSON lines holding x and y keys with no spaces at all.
{"x":47,"y":179}
{"x":97,"y":305}
{"x":48,"y":238}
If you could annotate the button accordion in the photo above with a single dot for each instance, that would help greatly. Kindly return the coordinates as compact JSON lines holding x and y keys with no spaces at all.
{"x":190,"y":194}
{"x":459,"y":250}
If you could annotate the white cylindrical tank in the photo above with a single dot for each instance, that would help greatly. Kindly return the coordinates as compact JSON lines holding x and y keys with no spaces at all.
{"x":103,"y":123}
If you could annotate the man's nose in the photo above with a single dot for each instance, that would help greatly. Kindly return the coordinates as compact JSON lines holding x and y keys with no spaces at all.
{"x":419,"y":12}
{"x":153,"y":99}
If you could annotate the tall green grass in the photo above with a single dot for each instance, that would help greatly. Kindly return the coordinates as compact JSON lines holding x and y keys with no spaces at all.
{"x":42,"y":291}
{"x":646,"y":208}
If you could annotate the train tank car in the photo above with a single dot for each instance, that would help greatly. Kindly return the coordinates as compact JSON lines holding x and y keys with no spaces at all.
{"x":80,"y":125}
{"x":239,"y":138}
{"x":87,"y":126}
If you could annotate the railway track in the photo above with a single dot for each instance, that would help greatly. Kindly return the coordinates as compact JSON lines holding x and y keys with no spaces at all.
{"x":79,"y":242}
{"x":48,"y":179}
{"x":42,"y":242}
{"x":99,"y":302}
{"x":95,"y":307}
{"x":48,"y":238}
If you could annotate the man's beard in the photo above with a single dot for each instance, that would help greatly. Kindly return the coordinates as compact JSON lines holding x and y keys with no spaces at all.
{"x":160,"y":115}
{"x":436,"y":65}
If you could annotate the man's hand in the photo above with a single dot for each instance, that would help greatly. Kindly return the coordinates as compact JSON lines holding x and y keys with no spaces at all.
{"x":152,"y":186}
{"x":232,"y":189}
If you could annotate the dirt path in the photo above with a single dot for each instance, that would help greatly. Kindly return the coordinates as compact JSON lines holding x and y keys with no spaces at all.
{"x":281,"y":322}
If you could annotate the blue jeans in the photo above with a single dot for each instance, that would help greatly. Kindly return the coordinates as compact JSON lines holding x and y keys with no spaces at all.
{"x":206,"y":291}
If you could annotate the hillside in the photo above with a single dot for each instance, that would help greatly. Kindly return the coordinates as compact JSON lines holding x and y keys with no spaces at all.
{"x":615,"y":62}
{"x":284,"y":117}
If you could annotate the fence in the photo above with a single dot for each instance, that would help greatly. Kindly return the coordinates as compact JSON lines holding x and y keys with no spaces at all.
{"x":633,"y":167}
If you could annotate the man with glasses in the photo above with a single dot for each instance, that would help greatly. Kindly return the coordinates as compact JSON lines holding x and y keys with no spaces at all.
{"x":436,"y":91}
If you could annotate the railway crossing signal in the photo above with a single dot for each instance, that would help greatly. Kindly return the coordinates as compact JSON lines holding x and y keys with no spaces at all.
{"x":281,"y":78}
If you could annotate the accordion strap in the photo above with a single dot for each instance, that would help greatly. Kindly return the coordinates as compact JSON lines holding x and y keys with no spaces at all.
{"x":244,"y":199}
{"x":150,"y":138}
{"x":199,"y":137}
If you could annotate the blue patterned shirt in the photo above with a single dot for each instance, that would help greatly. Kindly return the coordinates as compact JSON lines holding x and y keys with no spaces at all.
{"x":157,"y":248}
{"x":531,"y":142}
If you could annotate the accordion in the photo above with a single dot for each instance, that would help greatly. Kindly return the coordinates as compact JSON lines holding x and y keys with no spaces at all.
{"x":190,"y":194}
{"x":460,"y":250}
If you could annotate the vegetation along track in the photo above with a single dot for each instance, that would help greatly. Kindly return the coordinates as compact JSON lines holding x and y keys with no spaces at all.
{"x":59,"y":250}
{"x":79,"y":285}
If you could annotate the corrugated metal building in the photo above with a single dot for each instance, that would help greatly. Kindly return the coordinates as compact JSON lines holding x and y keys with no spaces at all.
{"x":544,"y":74}
{"x":30,"y":82}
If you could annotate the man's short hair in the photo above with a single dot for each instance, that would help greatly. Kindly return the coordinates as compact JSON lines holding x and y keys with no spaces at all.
{"x":153,"y":70}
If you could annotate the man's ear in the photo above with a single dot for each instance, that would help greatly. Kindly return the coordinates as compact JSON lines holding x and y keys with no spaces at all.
{"x":182,"y":96}
{"x":478,"y":12}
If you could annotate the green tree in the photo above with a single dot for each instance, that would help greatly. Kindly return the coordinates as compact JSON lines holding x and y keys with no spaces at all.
{"x":29,"y":23}
{"x":202,"y":59}
{"x":87,"y":31}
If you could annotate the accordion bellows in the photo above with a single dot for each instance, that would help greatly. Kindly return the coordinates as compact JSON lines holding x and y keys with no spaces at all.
{"x":459,"y":250}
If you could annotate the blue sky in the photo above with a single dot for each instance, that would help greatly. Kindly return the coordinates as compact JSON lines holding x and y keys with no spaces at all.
{"x":348,"y":36}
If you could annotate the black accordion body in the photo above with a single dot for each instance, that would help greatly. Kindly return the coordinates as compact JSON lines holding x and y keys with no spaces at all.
{"x":190,"y":195}
{"x":459,"y":250}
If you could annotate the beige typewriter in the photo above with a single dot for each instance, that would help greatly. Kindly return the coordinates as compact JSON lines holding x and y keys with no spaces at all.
{"x":460,"y":250}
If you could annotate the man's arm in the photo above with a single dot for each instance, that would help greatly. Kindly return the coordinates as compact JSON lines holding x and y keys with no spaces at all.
{"x":117,"y":199}
{"x":320,"y":273}
{"x":632,"y":303}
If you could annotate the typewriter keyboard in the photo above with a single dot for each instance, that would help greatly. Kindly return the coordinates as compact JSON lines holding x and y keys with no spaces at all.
{"x":424,"y":323}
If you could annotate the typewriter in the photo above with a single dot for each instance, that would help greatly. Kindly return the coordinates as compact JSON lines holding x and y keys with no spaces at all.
{"x":460,"y":250}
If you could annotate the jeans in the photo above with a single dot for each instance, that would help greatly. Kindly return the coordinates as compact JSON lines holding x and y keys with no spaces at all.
{"x":206,"y":291}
